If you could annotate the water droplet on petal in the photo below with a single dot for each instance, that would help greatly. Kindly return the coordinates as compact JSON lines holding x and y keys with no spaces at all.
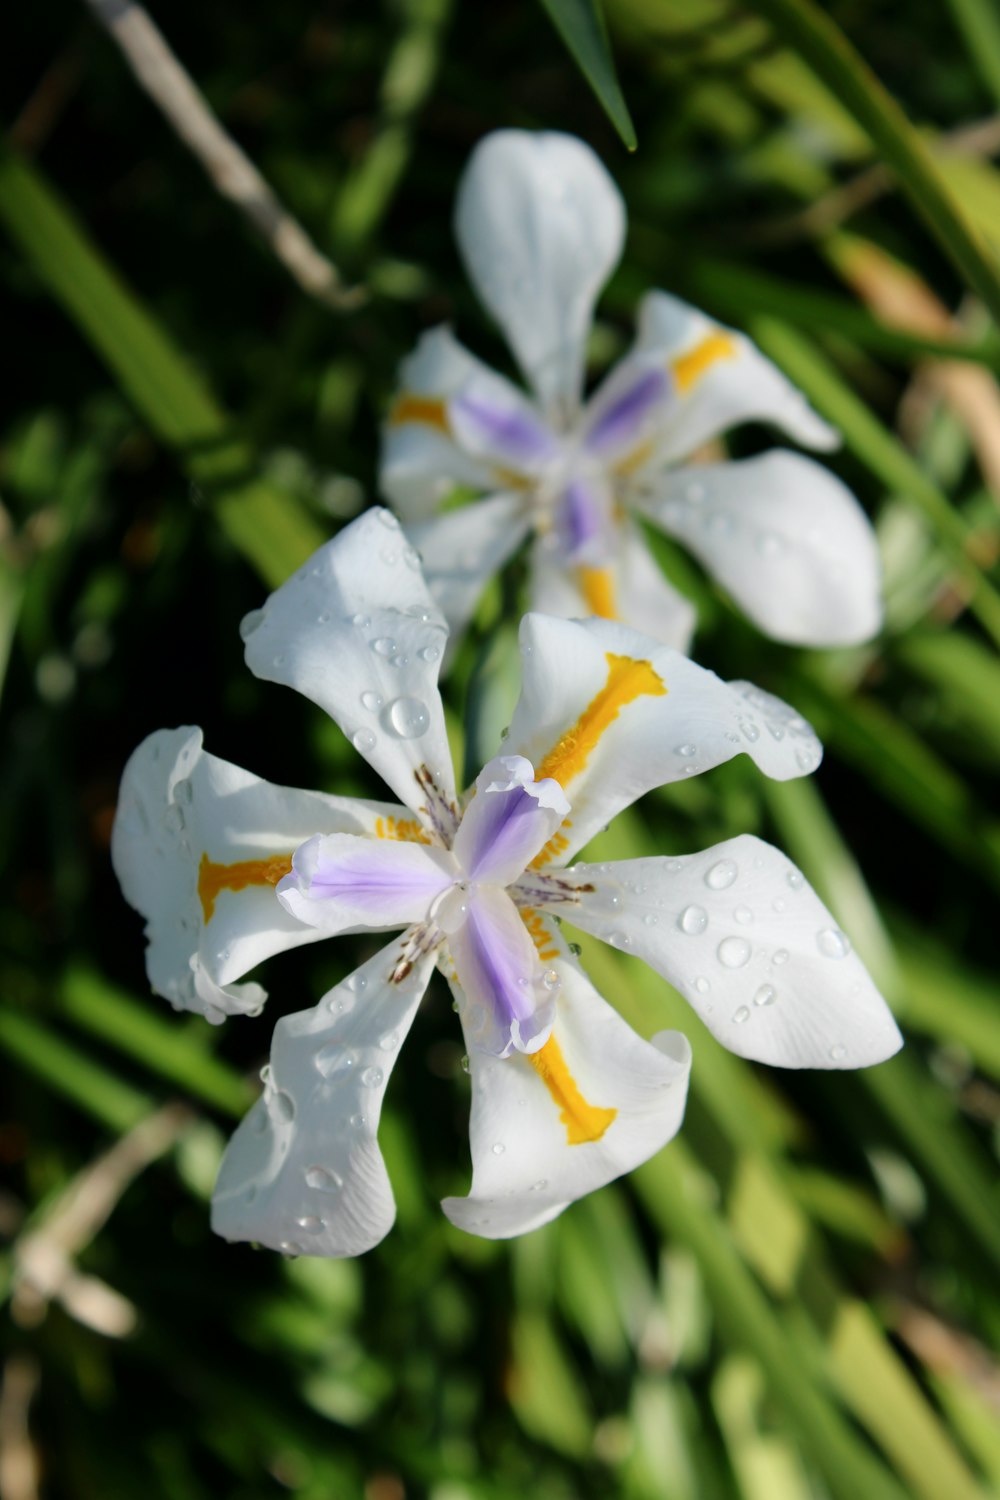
{"x":290,"y":1249}
{"x":357,"y":1122}
{"x":832,"y":943}
{"x":372,"y":1077}
{"x":384,"y":645}
{"x":650,"y":919}
{"x":781,"y":956}
{"x":250,"y":623}
{"x":743,"y":915}
{"x":722,"y":874}
{"x":692,"y":920}
{"x":766,"y":995}
{"x":795,"y":880}
{"x":741,"y":1015}
{"x":498,"y":1148}
{"x":408,"y":718}
{"x":309,"y":1223}
{"x":361,"y":621}
{"x":749,"y":730}
{"x":372,"y":701}
{"x":389,"y":1042}
{"x":686,"y":751}
{"x":702,"y":985}
{"x":284,"y":1106}
{"x":363,"y":741}
{"x":465,"y":1062}
{"x":322,"y":1180}
{"x":838,"y":1053}
{"x":733,"y":952}
{"x":575,"y":949}
{"x":428,"y":653}
{"x":539,"y":1186}
{"x":550,"y":979}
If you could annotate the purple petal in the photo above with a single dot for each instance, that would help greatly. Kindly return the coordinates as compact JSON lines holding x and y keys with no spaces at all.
{"x":344,"y":880}
{"x":619,"y":423}
{"x":583,"y":520}
{"x":509,"y":435}
{"x":508,"y":821}
{"x":508,"y":1002}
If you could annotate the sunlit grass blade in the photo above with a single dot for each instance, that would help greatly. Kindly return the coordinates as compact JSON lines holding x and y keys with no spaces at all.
{"x":268,"y":526}
{"x":827,"y":50}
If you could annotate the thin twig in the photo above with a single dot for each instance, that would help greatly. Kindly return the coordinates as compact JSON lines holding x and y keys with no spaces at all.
{"x":19,"y":1472}
{"x":226,"y":164}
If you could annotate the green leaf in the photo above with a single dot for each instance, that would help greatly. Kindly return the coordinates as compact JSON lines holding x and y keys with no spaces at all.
{"x":580,"y":23}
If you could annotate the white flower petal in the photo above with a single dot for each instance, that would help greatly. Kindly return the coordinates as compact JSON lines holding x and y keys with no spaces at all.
{"x":341,"y":883}
{"x":719,"y":380}
{"x":462,"y":549}
{"x":430,"y":447}
{"x":540,"y":225}
{"x":592,"y":1104}
{"x":630,"y":587}
{"x":743,"y":937}
{"x":198,"y":846}
{"x":357,"y":632}
{"x":303,"y":1172}
{"x":609,"y":714}
{"x":785,"y":537}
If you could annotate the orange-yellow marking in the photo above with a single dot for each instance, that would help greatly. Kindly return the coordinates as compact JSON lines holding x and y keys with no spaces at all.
{"x":690,"y":367}
{"x":597,"y":585}
{"x":557,"y":844}
{"x":426,"y":409}
{"x":406,"y":830}
{"x":539,"y":934}
{"x":628,"y":679}
{"x":634,"y":460}
{"x":214,"y":878}
{"x":584,"y":1122}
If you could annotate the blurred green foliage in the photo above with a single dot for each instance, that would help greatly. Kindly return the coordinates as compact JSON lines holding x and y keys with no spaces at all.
{"x":797,"y":1299}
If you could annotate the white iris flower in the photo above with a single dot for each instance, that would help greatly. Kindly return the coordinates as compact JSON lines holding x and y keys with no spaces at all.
{"x":540,"y":226}
{"x":228,"y":870}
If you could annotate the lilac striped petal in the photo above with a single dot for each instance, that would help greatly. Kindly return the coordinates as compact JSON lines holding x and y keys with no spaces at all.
{"x":583,"y":521}
{"x":511,"y":817}
{"x":342,"y":881}
{"x":508,"y":433}
{"x":619,"y":420}
{"x":510,"y":1000}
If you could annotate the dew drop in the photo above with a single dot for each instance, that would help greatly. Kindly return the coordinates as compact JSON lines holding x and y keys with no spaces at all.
{"x":575,"y":949}
{"x":323,"y":618}
{"x":340,"y":1003}
{"x":550,"y":979}
{"x":686,"y":751}
{"x":389,"y":1042}
{"x":692,"y":920}
{"x":290,"y":1249}
{"x":781,"y":956}
{"x":322,"y":1180}
{"x":733,"y":952}
{"x":408,"y":718}
{"x":251,"y":622}
{"x":749,"y":730}
{"x":363,"y":741}
{"x":539,"y":1186}
{"x":832,"y":943}
{"x":372,"y":701}
{"x":284,"y":1106}
{"x":387,"y":519}
{"x":361,"y":621}
{"x":838,"y":1053}
{"x":355,"y":981}
{"x":372,"y":1077}
{"x":357,"y":1122}
{"x":722,"y":874}
{"x":428,"y":653}
{"x":619,"y":940}
{"x":384,"y":645}
{"x":741,"y":1015}
{"x":498,"y":1148}
{"x":650,"y":919}
{"x":465,"y":1062}
{"x":766,"y":995}
{"x":310,"y":1223}
{"x":743,"y":915}
{"x":702,"y":985}
{"x":795,"y":880}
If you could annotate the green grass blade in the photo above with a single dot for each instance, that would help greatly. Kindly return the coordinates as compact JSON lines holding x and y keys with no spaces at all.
{"x":816,"y":36}
{"x":63,"y":1067}
{"x":580,"y":23}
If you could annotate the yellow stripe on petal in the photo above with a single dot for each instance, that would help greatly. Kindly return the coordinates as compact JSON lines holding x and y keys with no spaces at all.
{"x":628,"y":679}
{"x":690,"y":367}
{"x":428,"y":410}
{"x":214,"y":878}
{"x":539,"y":934}
{"x":597,"y":585}
{"x":405,"y":830}
{"x":584,"y":1122}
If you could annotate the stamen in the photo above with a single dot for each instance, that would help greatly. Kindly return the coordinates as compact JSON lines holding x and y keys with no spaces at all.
{"x":584,"y":1122}
{"x":628,"y":679}
{"x":690,"y":367}
{"x":214,"y":878}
